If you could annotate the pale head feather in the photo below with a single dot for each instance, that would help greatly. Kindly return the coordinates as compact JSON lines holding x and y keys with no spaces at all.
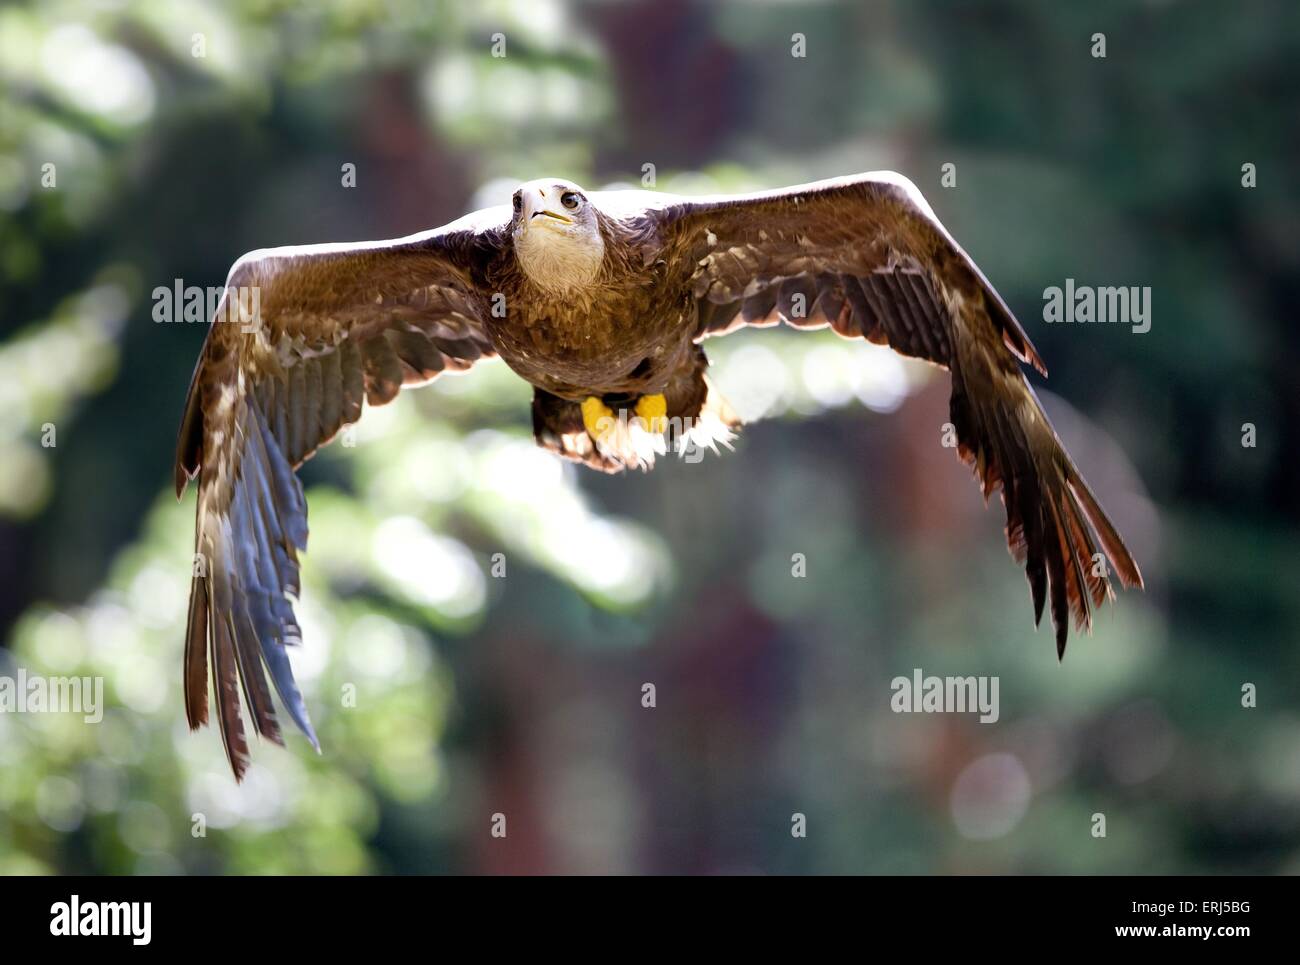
{"x":557,"y":235}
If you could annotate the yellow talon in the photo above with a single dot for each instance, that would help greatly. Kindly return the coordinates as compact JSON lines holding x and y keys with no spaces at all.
{"x":597,"y":417}
{"x":652,"y":410}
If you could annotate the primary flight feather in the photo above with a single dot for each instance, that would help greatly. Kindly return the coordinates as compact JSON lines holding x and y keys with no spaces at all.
{"x":600,"y":301}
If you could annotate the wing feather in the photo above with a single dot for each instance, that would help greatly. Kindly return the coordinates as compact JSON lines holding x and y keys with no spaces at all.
{"x":311,"y":405}
{"x":295,"y":442}
{"x":354,"y":384}
{"x":331,"y":395}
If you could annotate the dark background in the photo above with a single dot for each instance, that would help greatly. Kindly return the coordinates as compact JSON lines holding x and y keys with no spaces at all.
{"x":477,"y":695}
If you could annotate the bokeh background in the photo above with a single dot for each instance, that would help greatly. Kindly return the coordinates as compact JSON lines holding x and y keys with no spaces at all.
{"x":521,"y":695}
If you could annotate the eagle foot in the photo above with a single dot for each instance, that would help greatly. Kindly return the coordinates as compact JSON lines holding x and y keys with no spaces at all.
{"x":598,"y":418}
{"x":652,"y":410}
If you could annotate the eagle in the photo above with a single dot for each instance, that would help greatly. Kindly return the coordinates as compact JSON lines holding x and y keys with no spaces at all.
{"x":601,"y":301}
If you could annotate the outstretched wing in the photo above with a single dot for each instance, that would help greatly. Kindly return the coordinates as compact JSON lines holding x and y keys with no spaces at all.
{"x":301,"y":338}
{"x":866,"y":256}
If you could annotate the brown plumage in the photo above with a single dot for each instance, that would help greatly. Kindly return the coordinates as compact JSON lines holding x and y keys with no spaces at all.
{"x":594,"y":300}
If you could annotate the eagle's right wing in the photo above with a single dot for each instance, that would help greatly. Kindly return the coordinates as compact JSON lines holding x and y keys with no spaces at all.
{"x":301,"y":338}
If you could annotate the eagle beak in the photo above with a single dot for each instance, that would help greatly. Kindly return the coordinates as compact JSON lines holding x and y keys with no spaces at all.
{"x":547,"y":213}
{"x":538,"y":208}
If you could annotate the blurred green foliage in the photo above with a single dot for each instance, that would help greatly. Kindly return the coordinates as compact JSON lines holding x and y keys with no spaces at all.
{"x":183,"y":134}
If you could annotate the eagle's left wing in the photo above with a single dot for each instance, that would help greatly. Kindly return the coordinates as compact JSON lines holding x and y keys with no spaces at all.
{"x":866,"y":256}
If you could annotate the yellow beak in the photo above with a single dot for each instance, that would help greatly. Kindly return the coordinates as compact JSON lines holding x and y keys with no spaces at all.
{"x":548,"y":213}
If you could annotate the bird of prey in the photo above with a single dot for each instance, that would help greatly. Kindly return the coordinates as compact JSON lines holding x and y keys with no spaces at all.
{"x":601,"y":301}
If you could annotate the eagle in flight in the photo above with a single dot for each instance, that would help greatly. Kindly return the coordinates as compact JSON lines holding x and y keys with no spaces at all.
{"x":601,"y":300}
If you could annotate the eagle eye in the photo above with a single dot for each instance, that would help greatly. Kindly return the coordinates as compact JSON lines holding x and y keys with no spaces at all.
{"x":571,"y":200}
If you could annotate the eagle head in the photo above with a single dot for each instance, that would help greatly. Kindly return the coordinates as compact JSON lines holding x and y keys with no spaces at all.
{"x":557,"y":235}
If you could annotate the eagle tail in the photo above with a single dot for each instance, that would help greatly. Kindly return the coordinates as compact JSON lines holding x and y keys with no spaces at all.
{"x":1055,"y":526}
{"x":558,"y":427}
{"x":715,"y":424}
